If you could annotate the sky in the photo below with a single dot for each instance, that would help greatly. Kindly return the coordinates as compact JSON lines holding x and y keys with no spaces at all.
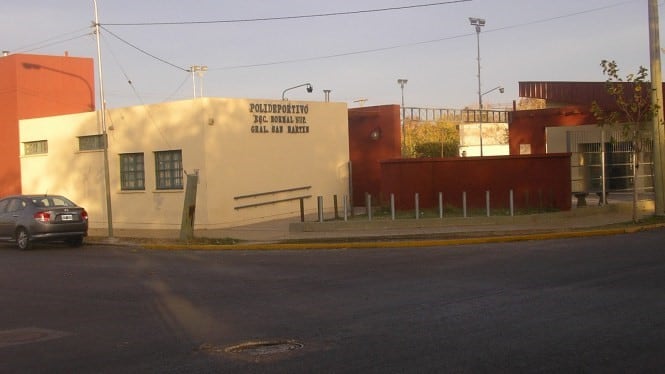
{"x":358,"y":54}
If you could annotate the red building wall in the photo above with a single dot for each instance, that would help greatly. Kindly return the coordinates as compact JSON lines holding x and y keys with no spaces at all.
{"x":366,"y":152}
{"x":528,"y":126}
{"x":537,"y":181}
{"x":33,"y":86}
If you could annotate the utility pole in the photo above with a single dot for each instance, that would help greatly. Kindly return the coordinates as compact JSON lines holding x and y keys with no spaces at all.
{"x":657,"y":103}
{"x":102,"y":118}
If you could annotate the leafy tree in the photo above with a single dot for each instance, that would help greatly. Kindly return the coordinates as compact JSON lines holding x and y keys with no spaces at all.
{"x":633,"y":112}
{"x":431,"y":139}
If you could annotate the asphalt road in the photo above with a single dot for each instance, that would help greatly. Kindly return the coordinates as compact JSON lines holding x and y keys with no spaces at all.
{"x":571,"y":305}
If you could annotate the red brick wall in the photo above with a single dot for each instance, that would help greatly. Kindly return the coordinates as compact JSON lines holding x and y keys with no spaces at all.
{"x":366,"y":153}
{"x":537,"y":181}
{"x":33,"y":86}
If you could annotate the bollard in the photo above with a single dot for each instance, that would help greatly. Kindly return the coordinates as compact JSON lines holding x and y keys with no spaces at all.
{"x":441,"y":205}
{"x":302,"y":209}
{"x":392,"y":206}
{"x":416,"y":197}
{"x":319,"y":205}
{"x":464,"y":203}
{"x":487,"y":202}
{"x":346,"y":208}
{"x":335,"y":207}
{"x":368,"y":199}
{"x":512,"y":204}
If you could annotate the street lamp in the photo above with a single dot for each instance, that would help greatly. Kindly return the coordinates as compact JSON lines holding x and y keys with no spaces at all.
{"x":480,"y":121}
{"x":478,"y":23}
{"x":308,"y":85}
{"x":402,"y":83}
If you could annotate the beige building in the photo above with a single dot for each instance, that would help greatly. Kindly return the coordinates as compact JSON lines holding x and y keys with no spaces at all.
{"x":255,"y":160}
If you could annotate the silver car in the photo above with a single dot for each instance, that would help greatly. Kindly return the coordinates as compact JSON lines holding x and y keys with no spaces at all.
{"x":25,"y":219}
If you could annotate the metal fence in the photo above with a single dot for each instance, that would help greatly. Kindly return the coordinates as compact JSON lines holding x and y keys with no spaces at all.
{"x":604,"y":161}
{"x":456,"y":115}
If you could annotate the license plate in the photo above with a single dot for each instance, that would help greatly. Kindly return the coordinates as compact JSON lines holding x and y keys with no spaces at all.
{"x":66,"y":217}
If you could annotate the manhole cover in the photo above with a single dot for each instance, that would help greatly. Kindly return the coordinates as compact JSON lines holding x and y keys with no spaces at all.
{"x":262,"y":348}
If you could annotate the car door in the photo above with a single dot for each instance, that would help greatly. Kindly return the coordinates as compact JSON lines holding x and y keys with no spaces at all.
{"x":5,"y":219}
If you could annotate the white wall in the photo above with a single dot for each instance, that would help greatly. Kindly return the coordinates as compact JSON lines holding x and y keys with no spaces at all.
{"x":217,"y":139}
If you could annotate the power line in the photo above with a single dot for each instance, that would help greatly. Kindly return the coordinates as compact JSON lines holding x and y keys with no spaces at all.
{"x":381,"y":49}
{"x":144,"y":51}
{"x":53,"y":41}
{"x":343,"y":54}
{"x":289,"y":17}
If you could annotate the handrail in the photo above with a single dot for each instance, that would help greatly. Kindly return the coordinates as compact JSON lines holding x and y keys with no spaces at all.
{"x":271,"y":192}
{"x":272,"y":202}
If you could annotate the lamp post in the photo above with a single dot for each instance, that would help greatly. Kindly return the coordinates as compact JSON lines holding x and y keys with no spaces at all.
{"x":478,"y":23}
{"x":308,"y":85}
{"x":501,"y":89}
{"x":402,"y":83}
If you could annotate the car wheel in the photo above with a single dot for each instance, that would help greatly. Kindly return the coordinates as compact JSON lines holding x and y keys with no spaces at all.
{"x":23,"y":239}
{"x":75,"y":242}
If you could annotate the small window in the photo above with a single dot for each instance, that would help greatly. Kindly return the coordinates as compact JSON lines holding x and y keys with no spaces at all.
{"x":132,"y":172}
{"x":35,"y":148}
{"x":168,"y":170}
{"x":91,"y":142}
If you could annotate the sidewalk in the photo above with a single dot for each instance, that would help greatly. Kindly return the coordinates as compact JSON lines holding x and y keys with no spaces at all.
{"x":613,"y":218}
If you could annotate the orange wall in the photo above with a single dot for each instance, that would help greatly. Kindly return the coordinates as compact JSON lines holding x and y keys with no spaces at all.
{"x":33,"y":86}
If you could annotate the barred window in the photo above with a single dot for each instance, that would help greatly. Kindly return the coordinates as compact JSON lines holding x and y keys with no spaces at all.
{"x":35,"y":148}
{"x":91,"y":142}
{"x":168,"y":170}
{"x":132,"y":172}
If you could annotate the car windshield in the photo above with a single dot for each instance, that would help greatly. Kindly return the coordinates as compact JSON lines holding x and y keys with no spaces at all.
{"x":51,"y":201}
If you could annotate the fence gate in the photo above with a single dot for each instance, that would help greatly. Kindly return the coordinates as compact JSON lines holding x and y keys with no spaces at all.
{"x":603,"y":161}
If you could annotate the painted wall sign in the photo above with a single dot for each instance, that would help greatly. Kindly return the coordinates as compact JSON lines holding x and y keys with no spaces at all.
{"x":279,"y":118}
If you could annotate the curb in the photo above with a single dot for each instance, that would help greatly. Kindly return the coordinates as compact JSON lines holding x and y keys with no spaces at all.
{"x":414,"y":243}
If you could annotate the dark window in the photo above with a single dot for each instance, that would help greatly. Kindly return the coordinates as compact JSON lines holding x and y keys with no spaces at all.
{"x":35,"y":148}
{"x":91,"y":142}
{"x":132,"y":171}
{"x":168,"y":170}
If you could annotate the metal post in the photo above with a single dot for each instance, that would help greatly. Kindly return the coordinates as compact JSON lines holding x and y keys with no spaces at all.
{"x":368,"y":198}
{"x":346,"y":208}
{"x":319,"y":207}
{"x":302,"y":209}
{"x":335,"y":207}
{"x":441,"y":205}
{"x":417,"y":202}
{"x":487,"y":202}
{"x":392,"y":206}
{"x":512,"y":203}
{"x":464,"y":203}
{"x":602,"y":167}
{"x":351,"y":205}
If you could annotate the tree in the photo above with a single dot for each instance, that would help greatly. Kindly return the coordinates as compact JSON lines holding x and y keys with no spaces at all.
{"x":633,"y":113}
{"x":432,"y":139}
